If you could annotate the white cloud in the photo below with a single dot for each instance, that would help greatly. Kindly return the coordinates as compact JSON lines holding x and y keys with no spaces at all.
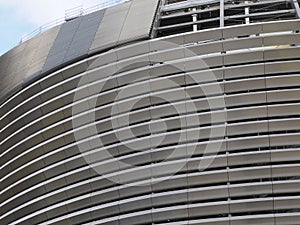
{"x":39,"y":12}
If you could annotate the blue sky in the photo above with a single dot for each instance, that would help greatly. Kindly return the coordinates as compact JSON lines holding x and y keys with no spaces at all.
{"x":21,"y":17}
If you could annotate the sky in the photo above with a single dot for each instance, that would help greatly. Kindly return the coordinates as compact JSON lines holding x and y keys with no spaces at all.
{"x":21,"y":17}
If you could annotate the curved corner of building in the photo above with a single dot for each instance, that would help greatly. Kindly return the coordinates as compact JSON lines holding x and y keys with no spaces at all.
{"x":74,"y":40}
{"x":155,"y":112}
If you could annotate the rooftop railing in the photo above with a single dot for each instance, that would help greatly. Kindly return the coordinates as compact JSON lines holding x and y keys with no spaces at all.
{"x":69,"y":15}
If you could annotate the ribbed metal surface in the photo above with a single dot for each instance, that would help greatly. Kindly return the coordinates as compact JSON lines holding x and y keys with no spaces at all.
{"x":196,"y":128}
{"x":74,"y":39}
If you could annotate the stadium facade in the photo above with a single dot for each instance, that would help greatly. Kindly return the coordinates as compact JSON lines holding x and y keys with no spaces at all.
{"x":155,"y":112}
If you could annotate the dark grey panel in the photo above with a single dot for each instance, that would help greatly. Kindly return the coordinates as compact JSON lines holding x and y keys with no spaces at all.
{"x":85,"y":35}
{"x":74,"y":39}
{"x":62,"y":44}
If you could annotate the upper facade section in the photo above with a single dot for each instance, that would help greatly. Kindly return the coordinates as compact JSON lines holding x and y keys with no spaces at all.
{"x":73,"y":40}
{"x":179,"y":16}
{"x":130,"y":21}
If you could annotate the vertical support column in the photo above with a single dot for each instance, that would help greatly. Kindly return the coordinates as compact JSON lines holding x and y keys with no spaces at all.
{"x":156,"y":20}
{"x":297,"y":8}
{"x":221,"y":13}
{"x":195,"y":26}
{"x":247,"y":19}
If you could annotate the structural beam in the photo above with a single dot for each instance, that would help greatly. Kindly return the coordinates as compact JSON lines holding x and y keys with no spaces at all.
{"x":297,"y":8}
{"x":221,"y":13}
{"x":247,"y":10}
{"x":194,"y":16}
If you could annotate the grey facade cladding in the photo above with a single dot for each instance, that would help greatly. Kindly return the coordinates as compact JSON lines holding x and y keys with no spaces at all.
{"x":194,"y":128}
{"x":25,"y":60}
{"x":74,"y":39}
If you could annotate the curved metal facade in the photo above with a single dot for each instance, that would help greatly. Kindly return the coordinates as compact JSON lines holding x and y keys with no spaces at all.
{"x":194,"y":128}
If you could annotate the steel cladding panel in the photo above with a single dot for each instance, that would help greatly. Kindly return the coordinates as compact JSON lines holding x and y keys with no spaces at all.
{"x":139,"y":20}
{"x":74,"y":39}
{"x":62,"y":44}
{"x":110,"y":28}
{"x":85,"y":34}
{"x":125,"y":22}
{"x":25,"y":60}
